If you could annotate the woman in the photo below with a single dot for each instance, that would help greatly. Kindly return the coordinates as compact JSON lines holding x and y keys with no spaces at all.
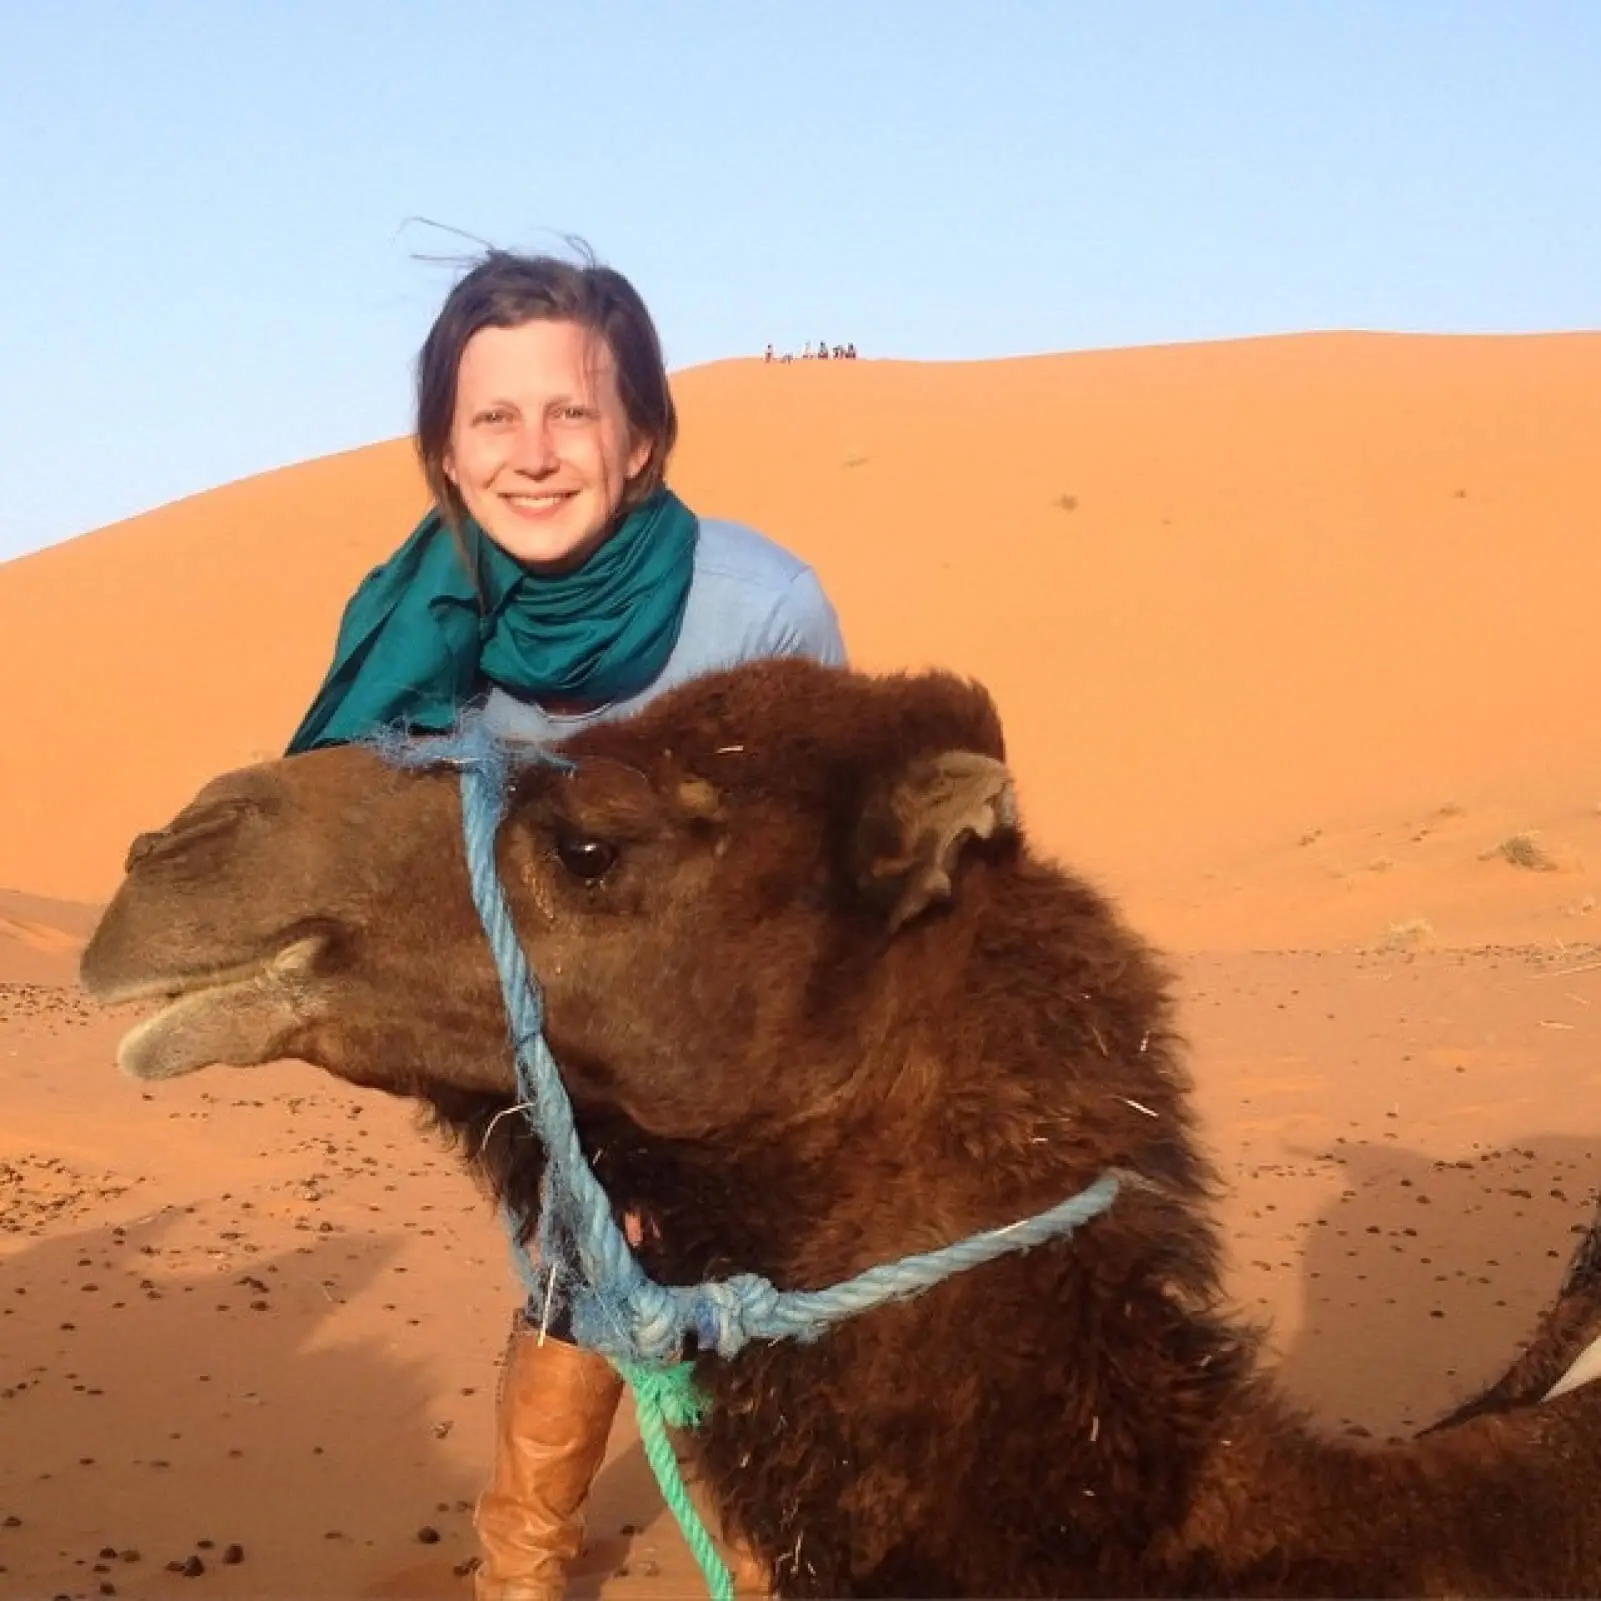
{"x":556,"y":581}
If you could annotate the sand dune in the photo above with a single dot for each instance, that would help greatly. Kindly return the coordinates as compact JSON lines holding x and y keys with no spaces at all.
{"x":1228,"y":596}
{"x":1294,"y":643}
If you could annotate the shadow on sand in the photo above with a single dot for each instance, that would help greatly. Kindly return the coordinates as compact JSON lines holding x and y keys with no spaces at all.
{"x":1424,"y":1279}
{"x":172,"y":1399}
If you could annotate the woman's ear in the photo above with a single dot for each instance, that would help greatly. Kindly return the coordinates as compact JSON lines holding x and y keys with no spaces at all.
{"x":638,"y":454}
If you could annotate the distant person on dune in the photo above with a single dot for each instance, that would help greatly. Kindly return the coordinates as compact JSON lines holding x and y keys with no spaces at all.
{"x":556,"y":580}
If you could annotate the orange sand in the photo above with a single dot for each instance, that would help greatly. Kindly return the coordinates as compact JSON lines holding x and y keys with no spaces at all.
{"x":1290,"y":636}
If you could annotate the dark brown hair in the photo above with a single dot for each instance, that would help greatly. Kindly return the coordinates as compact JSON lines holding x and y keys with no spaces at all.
{"x":506,"y":290}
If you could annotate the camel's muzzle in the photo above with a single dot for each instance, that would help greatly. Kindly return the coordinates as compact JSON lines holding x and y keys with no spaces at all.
{"x":237,"y":1016}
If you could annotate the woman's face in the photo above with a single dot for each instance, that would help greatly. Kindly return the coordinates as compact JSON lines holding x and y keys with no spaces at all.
{"x":540,"y":447}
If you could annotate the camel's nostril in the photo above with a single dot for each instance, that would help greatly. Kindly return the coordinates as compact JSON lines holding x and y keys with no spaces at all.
{"x":200,"y":823}
{"x":141,"y":848}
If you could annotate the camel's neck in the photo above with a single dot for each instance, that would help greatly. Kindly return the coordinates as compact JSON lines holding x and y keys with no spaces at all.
{"x":966,"y":1075}
{"x":946,"y":1100}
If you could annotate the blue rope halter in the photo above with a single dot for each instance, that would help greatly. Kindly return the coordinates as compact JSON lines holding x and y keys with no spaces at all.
{"x":617,"y":1309}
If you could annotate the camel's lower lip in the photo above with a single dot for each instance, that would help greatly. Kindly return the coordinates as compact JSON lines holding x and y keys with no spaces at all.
{"x":139,"y":1051}
{"x":189,"y":1030}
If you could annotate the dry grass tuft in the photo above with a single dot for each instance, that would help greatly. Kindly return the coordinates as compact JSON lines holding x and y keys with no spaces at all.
{"x":1411,"y":934}
{"x":1523,"y":850}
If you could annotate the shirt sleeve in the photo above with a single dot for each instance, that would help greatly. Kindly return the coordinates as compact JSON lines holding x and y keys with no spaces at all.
{"x":804,"y":623}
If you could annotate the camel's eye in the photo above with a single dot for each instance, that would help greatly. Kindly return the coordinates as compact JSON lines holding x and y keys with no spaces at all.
{"x":585,"y":858}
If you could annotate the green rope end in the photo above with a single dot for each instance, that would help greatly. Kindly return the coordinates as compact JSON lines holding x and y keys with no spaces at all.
{"x":667,"y":1398}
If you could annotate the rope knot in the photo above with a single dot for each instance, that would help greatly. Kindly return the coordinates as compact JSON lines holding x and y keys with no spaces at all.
{"x":639,"y":1324}
{"x":731,"y":1313}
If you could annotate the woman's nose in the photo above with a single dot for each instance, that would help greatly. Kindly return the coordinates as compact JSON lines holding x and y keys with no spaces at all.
{"x":534,"y":450}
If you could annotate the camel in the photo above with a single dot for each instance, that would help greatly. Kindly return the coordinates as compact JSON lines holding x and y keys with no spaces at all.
{"x":818,"y":1005}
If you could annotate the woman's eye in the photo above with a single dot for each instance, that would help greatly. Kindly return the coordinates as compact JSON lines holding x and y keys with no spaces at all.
{"x":588,"y":859}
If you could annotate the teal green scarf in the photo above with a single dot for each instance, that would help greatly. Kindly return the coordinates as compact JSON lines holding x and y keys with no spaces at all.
{"x":418,"y":641}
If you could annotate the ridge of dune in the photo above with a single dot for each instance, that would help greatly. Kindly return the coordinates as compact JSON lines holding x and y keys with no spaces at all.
{"x":40,"y":939}
{"x":1231,"y":597}
{"x":38,"y":936}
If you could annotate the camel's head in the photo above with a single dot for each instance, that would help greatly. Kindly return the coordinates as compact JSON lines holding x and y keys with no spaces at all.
{"x":705,"y":896}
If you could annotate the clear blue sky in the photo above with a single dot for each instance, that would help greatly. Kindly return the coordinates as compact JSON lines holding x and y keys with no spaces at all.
{"x":207,"y":268}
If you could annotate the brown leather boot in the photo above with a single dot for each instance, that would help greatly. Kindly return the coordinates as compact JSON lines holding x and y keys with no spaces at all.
{"x":553,"y":1416}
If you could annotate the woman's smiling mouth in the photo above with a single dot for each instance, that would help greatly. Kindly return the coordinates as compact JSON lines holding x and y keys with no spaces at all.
{"x":539,"y":505}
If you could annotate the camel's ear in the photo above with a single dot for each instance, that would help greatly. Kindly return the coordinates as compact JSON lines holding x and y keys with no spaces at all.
{"x":913,"y":833}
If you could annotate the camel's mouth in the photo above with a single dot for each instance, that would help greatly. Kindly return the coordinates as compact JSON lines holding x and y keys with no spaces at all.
{"x":173,"y":987}
{"x":236,"y":1016}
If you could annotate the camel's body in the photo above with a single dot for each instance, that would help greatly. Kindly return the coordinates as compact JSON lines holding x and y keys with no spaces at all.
{"x":818,"y":1008}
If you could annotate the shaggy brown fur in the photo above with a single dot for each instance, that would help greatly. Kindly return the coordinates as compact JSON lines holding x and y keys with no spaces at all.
{"x":819,"y":1006}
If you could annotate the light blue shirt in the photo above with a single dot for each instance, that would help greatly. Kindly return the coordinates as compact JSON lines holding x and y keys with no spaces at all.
{"x":748,"y":598}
